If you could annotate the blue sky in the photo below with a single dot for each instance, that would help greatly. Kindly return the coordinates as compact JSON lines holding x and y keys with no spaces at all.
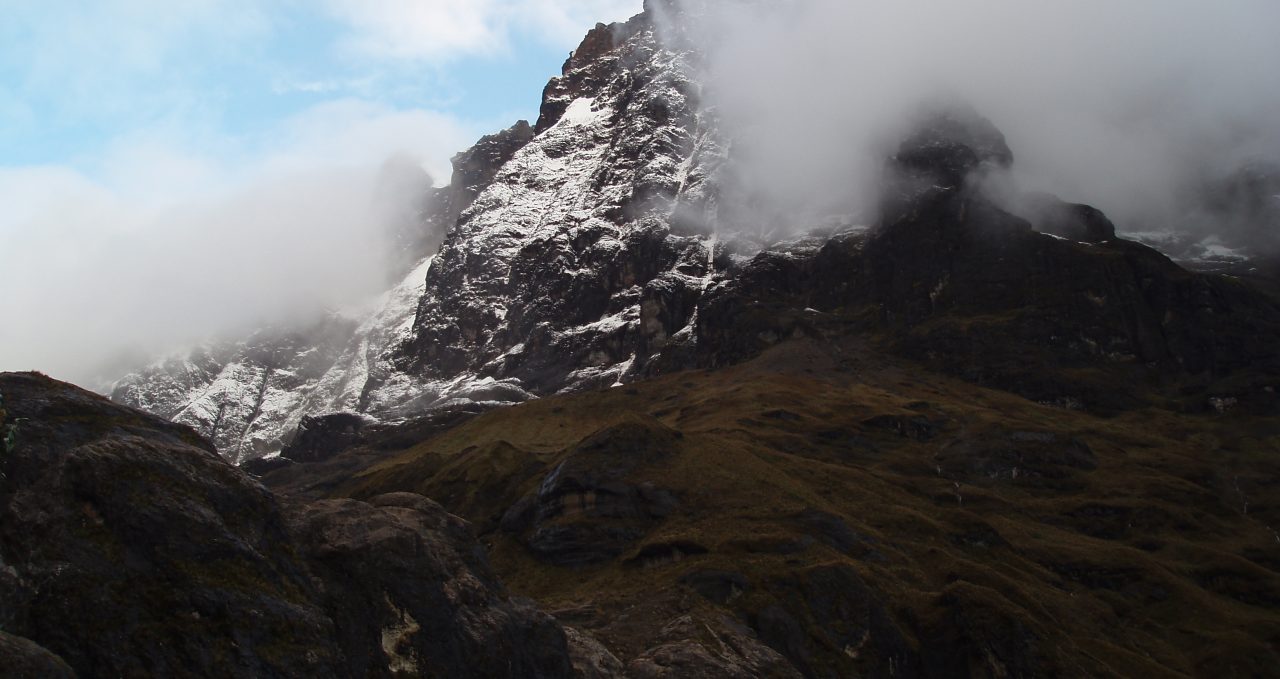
{"x":76,"y":78}
{"x":172,"y":171}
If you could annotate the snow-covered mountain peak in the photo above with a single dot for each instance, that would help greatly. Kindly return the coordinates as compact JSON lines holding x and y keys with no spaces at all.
{"x":560,"y":265}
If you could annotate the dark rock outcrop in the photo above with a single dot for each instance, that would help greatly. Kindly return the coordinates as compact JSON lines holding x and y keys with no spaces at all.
{"x":319,"y":438}
{"x":589,"y":509}
{"x":1037,"y":459}
{"x":24,"y":659}
{"x":1081,"y":223}
{"x":139,"y":551}
{"x":831,"y":607}
{"x":687,"y":647}
{"x":409,"y":589}
{"x":947,"y":147}
{"x":130,"y":548}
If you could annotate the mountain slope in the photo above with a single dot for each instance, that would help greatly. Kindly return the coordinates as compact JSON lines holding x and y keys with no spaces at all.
{"x":980,"y":436}
{"x":128,"y":547}
{"x":864,"y":516}
{"x":950,"y":445}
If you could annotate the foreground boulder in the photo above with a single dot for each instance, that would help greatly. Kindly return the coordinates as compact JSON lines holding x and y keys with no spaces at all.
{"x":128,"y":547}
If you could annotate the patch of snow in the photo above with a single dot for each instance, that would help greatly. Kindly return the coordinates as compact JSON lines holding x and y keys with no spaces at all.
{"x":249,"y":408}
{"x":580,"y":113}
{"x":1215,"y":250}
{"x":623,"y":368}
{"x":613,"y":323}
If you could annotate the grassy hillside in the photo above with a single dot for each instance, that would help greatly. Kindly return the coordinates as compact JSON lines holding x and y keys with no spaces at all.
{"x":864,"y":516}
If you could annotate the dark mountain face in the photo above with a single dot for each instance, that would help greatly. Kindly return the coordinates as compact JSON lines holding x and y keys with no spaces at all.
{"x":982,"y":435}
{"x":860,"y":515}
{"x":1060,"y":311}
{"x":128,"y":547}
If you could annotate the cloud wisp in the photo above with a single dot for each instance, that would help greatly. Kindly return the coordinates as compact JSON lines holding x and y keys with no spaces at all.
{"x":165,"y":247}
{"x":1130,"y":106}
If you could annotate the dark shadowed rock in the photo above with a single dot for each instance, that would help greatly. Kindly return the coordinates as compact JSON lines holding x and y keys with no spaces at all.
{"x":588,"y":508}
{"x":319,"y":438}
{"x":1072,"y":221}
{"x":410,"y":591}
{"x":145,"y":551}
{"x":128,"y":547}
{"x":945,"y":149}
{"x":1022,"y":458}
{"x":721,"y":587}
{"x":975,"y":637}
{"x":353,"y":451}
{"x":23,"y":659}
{"x":834,"y":531}
{"x":831,"y":607}
{"x":591,"y":660}
{"x":698,"y":649}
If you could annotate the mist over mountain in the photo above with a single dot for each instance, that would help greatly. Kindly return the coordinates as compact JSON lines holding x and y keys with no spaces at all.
{"x":1140,"y":108}
{"x":808,"y":339}
{"x":720,"y":129}
{"x":1160,"y":114}
{"x":173,"y":250}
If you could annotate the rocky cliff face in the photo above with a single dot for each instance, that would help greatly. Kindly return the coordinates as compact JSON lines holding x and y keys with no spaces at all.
{"x":250,"y":396}
{"x":557,"y":238}
{"x":607,"y":242}
{"x":128,"y":547}
{"x":544,"y":278}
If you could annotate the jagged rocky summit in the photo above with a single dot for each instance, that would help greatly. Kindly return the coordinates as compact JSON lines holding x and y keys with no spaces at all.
{"x":559,"y":249}
{"x":605,"y":243}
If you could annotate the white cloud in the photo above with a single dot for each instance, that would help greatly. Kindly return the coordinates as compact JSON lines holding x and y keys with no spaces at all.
{"x":165,"y":245}
{"x":1119,"y":104}
{"x":440,"y":30}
